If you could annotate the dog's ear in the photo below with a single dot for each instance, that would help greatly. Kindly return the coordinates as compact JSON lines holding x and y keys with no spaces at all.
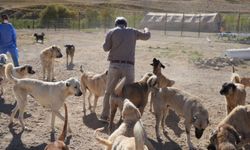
{"x":235,"y":133}
{"x":138,"y":114}
{"x":67,"y":84}
{"x":162,"y":66}
{"x":106,"y":72}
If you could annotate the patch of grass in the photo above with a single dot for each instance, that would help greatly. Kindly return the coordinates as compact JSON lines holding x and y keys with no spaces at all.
{"x":195,"y":55}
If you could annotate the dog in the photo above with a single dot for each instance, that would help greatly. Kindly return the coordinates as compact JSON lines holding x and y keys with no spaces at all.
{"x":39,"y":37}
{"x":48,"y":94}
{"x":242,"y":80}
{"x":185,"y":105}
{"x":130,"y":134}
{"x":136,"y":92}
{"x":235,"y":94}
{"x":3,"y":58}
{"x":162,"y":80}
{"x":233,"y":132}
{"x":95,"y":84}
{"x":70,"y":51}
{"x":59,"y":144}
{"x":47,"y":57}
{"x":18,"y":72}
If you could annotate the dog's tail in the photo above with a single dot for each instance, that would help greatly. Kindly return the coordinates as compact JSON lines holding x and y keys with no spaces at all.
{"x":64,"y":131}
{"x":8,"y":72}
{"x":139,"y":134}
{"x":119,"y":87}
{"x":102,"y":140}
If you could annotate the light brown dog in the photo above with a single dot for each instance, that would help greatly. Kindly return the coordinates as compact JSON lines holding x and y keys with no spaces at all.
{"x":242,"y":80}
{"x":130,"y":135}
{"x":162,"y":80}
{"x":70,"y":51}
{"x":235,"y":94}
{"x":185,"y":105}
{"x":51,"y":95}
{"x":59,"y":144}
{"x":47,"y":57}
{"x":95,"y":84}
{"x":233,"y":132}
{"x":136,"y":92}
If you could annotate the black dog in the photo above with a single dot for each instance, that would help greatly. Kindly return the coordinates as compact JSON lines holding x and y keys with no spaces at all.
{"x":39,"y":37}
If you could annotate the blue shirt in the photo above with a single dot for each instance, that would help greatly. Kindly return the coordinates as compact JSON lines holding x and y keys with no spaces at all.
{"x":7,"y":36}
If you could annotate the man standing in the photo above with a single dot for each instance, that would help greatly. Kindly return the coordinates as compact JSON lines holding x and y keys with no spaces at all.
{"x":8,"y":39}
{"x":120,"y":43}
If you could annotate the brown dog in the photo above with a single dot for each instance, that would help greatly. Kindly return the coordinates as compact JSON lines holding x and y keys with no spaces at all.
{"x":185,"y":105}
{"x":95,"y":84}
{"x":242,"y":80}
{"x":233,"y":132}
{"x":59,"y":144}
{"x":47,"y":57}
{"x":234,"y":92}
{"x":162,"y":80}
{"x":130,"y":135}
{"x":70,"y":51}
{"x":136,"y":92}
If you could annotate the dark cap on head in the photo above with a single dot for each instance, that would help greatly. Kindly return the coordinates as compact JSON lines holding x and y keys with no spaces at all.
{"x":121,"y":21}
{"x":4,"y":17}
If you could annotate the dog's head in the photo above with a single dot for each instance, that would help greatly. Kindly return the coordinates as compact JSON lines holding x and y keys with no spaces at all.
{"x":24,"y":70}
{"x":224,"y":138}
{"x":35,"y":34}
{"x":73,"y":86}
{"x":157,"y":65}
{"x":3,"y":58}
{"x":129,"y":112}
{"x":227,"y":88}
{"x":69,"y":46}
{"x":56,"y":52}
{"x":200,"y":121}
{"x":42,"y":34}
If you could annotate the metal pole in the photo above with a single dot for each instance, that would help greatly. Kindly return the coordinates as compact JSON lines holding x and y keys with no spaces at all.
{"x":33,"y":20}
{"x":166,"y":21}
{"x":79,"y":20}
{"x":182,"y":24}
{"x":199,"y":28}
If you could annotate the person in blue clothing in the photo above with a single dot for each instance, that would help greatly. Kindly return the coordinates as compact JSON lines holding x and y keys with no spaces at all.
{"x":8,"y":39}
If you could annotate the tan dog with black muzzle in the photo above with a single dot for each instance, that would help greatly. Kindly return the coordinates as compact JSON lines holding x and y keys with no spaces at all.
{"x":162,"y":80}
{"x":70,"y":52}
{"x":233,"y":132}
{"x":185,"y":105}
{"x":47,"y":57}
{"x":130,"y":135}
{"x":95,"y":84}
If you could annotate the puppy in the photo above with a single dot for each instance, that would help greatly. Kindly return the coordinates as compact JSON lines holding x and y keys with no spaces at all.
{"x":59,"y":144}
{"x":136,"y":92}
{"x":235,"y":94}
{"x":39,"y":37}
{"x":47,"y":57}
{"x":233,"y":132}
{"x":184,"y":104}
{"x":95,"y":84}
{"x":130,"y":134}
{"x":48,"y":94}
{"x":70,"y":51}
{"x":3,"y":58}
{"x":162,"y":80}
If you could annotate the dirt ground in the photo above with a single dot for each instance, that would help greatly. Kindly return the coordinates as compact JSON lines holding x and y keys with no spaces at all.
{"x":173,"y":50}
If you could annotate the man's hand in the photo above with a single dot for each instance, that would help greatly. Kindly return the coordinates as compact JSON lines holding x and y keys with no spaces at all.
{"x":146,"y":29}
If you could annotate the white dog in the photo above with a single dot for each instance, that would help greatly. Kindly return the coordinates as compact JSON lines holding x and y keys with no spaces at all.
{"x":49,"y":94}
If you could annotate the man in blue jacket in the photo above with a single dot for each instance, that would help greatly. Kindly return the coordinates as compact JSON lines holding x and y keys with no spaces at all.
{"x":8,"y":39}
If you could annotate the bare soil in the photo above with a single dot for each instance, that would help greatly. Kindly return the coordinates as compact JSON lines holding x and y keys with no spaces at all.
{"x":173,"y":50}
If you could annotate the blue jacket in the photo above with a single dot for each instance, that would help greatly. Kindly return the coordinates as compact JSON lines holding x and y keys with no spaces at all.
{"x":7,"y":36}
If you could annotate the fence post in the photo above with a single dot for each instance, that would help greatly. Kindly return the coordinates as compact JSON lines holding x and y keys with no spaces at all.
{"x":238,"y":23}
{"x":199,"y":27}
{"x":182,"y":24}
{"x":166,"y":21}
{"x":134,"y":18}
{"x":79,"y":20}
{"x":33,"y":20}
